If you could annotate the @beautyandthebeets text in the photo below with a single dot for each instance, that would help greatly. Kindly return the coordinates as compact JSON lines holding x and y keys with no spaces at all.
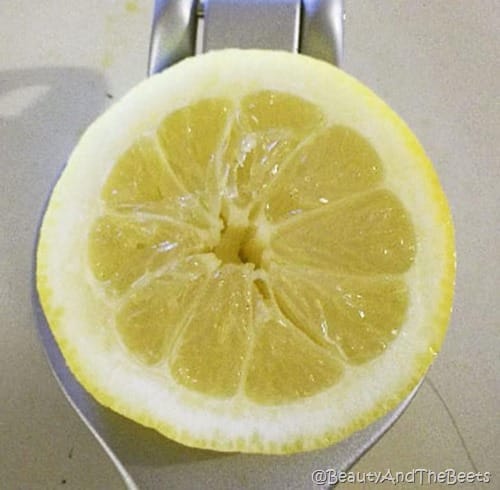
{"x":417,"y":476}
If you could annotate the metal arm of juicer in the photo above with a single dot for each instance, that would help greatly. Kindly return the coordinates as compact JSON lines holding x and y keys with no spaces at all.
{"x":181,"y":28}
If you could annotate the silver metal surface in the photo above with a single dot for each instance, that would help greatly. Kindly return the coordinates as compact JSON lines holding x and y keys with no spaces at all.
{"x":322,"y":30}
{"x":264,"y":24}
{"x":312,"y":27}
{"x":173,"y":35}
{"x":144,"y":458}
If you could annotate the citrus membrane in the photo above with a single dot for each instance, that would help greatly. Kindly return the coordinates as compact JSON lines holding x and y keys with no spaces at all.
{"x":248,"y":252}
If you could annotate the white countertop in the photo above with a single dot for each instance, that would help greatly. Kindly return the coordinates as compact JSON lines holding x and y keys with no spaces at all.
{"x":435,"y":62}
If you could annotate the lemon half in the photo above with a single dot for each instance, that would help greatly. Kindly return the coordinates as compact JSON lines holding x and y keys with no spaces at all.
{"x":249,"y":252}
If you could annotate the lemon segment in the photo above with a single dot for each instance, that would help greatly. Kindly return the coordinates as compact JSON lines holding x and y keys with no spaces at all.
{"x":152,"y":314}
{"x":286,"y":366}
{"x":212,"y":347}
{"x":356,"y":317}
{"x":189,"y":139}
{"x":368,"y":233}
{"x":268,"y":127}
{"x":336,"y":163}
{"x":140,"y":178}
{"x":121,"y":248}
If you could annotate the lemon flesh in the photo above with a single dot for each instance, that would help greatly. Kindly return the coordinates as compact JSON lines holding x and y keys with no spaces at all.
{"x":253,"y":260}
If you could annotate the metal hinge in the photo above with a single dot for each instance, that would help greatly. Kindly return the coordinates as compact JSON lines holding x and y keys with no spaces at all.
{"x":183,"y":28}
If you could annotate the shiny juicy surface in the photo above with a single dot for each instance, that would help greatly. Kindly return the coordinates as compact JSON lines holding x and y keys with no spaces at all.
{"x":253,"y":249}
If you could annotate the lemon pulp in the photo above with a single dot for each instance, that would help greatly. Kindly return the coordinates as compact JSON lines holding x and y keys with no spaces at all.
{"x":254,"y":248}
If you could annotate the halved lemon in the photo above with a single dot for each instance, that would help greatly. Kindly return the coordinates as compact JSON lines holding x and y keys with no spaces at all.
{"x":249,"y":252}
